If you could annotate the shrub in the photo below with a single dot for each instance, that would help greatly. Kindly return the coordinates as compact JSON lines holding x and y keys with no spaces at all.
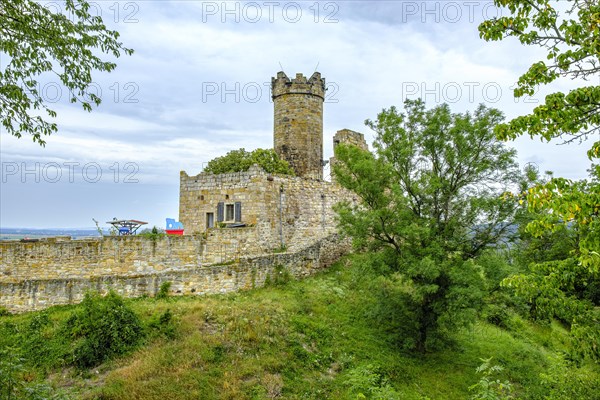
{"x":13,"y":384}
{"x":367,"y":382}
{"x":564,"y":380}
{"x":10,"y":373}
{"x":164,"y":324}
{"x":489,"y":388}
{"x":242,"y":160}
{"x":153,"y":233}
{"x":163,"y":292}
{"x":105,"y":327}
{"x":280,"y":249}
{"x":495,"y":268}
{"x":280,"y":276}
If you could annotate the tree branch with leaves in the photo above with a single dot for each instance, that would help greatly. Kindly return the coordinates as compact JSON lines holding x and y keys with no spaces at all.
{"x":572,"y":44}
{"x":35,"y":42}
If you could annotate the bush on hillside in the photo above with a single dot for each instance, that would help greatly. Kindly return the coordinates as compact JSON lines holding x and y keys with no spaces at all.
{"x":105,"y":327}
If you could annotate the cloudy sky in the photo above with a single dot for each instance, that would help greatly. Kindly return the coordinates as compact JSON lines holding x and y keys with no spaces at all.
{"x":198,"y":86}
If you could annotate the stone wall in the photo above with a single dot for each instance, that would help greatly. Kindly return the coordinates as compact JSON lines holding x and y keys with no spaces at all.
{"x":350,"y":137}
{"x":112,"y":255}
{"x":290,"y":212}
{"x":246,"y":273}
{"x":222,"y":245}
{"x":201,"y":194}
{"x":347,"y":137}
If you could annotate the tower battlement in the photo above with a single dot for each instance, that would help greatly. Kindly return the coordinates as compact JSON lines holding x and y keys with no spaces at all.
{"x":315,"y":85}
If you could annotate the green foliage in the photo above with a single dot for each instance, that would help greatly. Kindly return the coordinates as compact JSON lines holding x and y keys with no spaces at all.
{"x":431,"y":199}
{"x":153,"y":233}
{"x":280,"y":276}
{"x":571,"y":43}
{"x":242,"y":160}
{"x":365,"y":382}
{"x":4,"y":312}
{"x":35,"y":342}
{"x":67,"y":45}
{"x":164,"y":324}
{"x":105,"y":327}
{"x":13,"y":384}
{"x":163,"y":292}
{"x":489,"y":387}
{"x":280,"y":249}
{"x":501,"y":304}
{"x":559,"y":285}
{"x":565,"y":381}
{"x":559,"y":245}
{"x":10,"y":374}
{"x":495,"y":268}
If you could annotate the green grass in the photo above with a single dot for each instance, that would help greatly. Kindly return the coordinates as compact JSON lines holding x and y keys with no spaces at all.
{"x":310,"y":339}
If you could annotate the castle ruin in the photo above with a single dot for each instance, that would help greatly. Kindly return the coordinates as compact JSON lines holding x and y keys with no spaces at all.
{"x":238,"y":226}
{"x":277,"y":211}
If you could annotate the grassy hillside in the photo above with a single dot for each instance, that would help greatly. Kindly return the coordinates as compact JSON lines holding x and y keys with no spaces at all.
{"x":313,"y":339}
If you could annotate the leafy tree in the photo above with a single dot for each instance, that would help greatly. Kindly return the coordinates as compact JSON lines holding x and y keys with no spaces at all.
{"x":40,"y":42}
{"x":572,"y":42}
{"x":564,"y":281}
{"x":242,"y":160}
{"x":548,"y":246}
{"x":430,"y":201}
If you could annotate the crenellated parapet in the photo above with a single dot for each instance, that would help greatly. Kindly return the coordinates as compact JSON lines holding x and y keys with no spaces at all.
{"x":314,"y":86}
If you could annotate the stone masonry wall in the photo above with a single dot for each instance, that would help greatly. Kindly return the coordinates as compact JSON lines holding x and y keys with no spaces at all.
{"x":350,"y":137}
{"x":231,"y":244}
{"x":112,"y":255}
{"x":200,"y":194}
{"x":42,"y":292}
{"x":283,"y":210}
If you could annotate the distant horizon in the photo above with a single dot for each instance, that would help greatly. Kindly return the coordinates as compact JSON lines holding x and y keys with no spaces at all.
{"x":69,"y":228}
{"x":48,"y":229}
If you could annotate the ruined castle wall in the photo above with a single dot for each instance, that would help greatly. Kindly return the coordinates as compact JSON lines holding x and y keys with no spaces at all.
{"x":283,"y":210}
{"x":231,"y":244}
{"x":307,"y":210}
{"x":201,"y":193}
{"x":36,"y":293}
{"x":122,"y":255}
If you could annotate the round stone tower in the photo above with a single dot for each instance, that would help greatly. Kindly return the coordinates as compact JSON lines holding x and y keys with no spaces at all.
{"x":298,"y":127}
